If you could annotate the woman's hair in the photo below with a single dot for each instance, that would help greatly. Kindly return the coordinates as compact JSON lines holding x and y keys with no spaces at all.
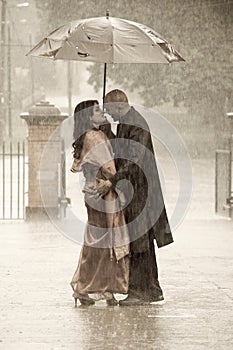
{"x":82,"y":123}
{"x":82,"y":117}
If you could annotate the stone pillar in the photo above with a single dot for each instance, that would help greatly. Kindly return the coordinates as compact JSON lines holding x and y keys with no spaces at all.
{"x":43,"y":120}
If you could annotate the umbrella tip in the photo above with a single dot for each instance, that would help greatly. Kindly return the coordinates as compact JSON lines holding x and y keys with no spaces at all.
{"x":107,"y":14}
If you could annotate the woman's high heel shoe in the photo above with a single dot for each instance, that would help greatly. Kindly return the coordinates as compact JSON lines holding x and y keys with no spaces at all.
{"x":84,"y":299}
{"x":112,"y":302}
{"x":110,"y":299}
{"x":75,"y":301}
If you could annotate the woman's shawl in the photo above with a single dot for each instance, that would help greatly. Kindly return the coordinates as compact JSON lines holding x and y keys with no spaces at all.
{"x":98,"y":155}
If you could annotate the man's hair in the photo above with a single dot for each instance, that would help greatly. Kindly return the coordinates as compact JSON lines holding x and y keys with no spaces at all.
{"x":115,"y":96}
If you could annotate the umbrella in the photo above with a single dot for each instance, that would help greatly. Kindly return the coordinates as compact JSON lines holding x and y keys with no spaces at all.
{"x":106,"y":40}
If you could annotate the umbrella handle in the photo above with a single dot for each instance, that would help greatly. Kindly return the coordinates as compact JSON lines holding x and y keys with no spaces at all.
{"x":105,"y":73}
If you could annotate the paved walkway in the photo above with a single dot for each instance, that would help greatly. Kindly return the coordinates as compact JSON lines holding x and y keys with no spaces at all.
{"x":37,"y":310}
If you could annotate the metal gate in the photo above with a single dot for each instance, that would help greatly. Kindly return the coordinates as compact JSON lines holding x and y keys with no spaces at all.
{"x":13,"y":179}
{"x":223,"y":182}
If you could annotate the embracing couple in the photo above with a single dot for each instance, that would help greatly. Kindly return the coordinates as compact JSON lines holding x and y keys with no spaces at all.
{"x":124,"y":202}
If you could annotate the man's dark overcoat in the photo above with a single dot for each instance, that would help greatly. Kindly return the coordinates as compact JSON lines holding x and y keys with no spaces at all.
{"x":139,"y":167}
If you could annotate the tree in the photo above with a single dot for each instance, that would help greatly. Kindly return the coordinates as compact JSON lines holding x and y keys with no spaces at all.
{"x":200,"y":31}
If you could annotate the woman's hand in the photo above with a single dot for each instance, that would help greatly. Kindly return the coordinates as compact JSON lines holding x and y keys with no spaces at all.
{"x":76,"y":165}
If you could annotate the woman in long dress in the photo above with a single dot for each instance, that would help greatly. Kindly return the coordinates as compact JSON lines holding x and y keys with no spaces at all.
{"x":103,"y":266}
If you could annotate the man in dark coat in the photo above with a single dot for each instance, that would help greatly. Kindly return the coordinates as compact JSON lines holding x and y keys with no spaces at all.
{"x":145,"y":212}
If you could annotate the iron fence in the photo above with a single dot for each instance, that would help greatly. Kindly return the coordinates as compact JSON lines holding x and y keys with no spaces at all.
{"x":13,"y":180}
{"x":223,"y":182}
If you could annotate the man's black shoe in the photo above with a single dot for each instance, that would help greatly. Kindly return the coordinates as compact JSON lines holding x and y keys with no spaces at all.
{"x":131,"y":301}
{"x":157,"y":298}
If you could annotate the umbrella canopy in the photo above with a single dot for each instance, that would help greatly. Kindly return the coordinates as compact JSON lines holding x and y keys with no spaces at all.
{"x":106,"y":40}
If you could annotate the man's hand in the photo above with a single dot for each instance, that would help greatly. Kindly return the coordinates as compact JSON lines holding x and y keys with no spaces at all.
{"x":103,"y":186}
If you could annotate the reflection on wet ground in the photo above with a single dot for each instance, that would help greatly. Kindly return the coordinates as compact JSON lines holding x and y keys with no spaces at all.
{"x":37,"y":310}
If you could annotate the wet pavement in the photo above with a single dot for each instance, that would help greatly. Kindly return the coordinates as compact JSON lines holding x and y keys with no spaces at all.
{"x":37,"y":311}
